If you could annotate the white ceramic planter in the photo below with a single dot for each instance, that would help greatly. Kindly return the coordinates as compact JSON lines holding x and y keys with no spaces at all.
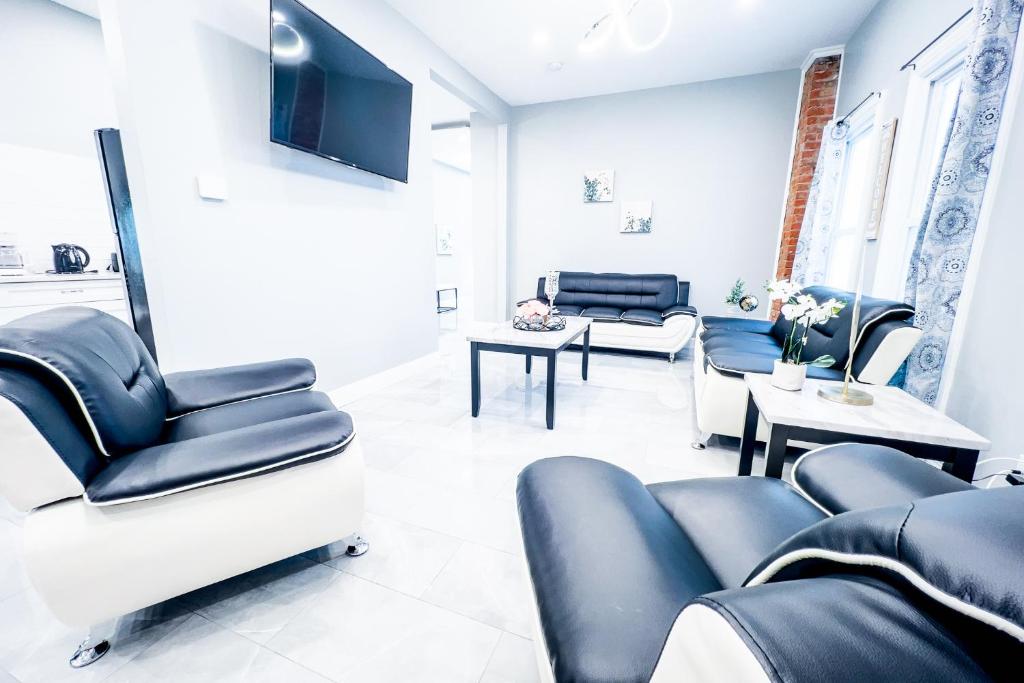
{"x":789,"y":376}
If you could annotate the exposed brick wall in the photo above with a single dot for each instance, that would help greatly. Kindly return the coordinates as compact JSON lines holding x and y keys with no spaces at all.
{"x":817,"y":107}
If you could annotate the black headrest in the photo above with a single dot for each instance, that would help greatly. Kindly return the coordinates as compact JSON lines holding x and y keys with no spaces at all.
{"x":961,"y":551}
{"x":104,"y":365}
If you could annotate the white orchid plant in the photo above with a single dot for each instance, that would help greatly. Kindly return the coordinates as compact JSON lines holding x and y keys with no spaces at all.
{"x":803,"y":312}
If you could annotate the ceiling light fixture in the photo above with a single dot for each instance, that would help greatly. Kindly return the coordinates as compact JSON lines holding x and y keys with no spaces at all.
{"x":541,"y":38}
{"x":555,"y":66}
{"x":617,"y":21}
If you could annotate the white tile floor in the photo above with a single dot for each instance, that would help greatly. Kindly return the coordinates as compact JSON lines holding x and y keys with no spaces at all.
{"x":441,"y":596}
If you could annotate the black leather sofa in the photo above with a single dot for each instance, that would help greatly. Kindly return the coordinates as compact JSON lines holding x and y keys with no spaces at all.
{"x":726,"y":348}
{"x":889,"y":569}
{"x":141,"y":486}
{"x":631,"y":312}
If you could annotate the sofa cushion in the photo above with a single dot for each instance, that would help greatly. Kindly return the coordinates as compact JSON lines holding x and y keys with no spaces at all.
{"x":679,"y":309}
{"x":103,"y":366}
{"x":246,"y":414}
{"x":174,"y":467}
{"x":734,"y":522}
{"x":740,"y":341}
{"x":642,"y":316}
{"x":714,"y":322}
{"x":569,"y":309}
{"x":736,"y":363}
{"x":619,"y":290}
{"x":202,"y":389}
{"x":610,"y":568}
{"x":603,"y":313}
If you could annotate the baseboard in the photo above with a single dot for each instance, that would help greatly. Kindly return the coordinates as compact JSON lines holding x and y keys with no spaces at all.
{"x":382,"y":380}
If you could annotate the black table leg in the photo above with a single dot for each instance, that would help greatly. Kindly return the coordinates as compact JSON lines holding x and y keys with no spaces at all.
{"x":749,"y":436}
{"x":529,"y":363}
{"x":586,"y":352}
{"x":775,"y":454}
{"x":552,"y":355}
{"x":474,"y":381}
{"x":964,"y":462}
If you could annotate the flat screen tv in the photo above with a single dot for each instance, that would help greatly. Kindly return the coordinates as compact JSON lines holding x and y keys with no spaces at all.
{"x":332,"y":98}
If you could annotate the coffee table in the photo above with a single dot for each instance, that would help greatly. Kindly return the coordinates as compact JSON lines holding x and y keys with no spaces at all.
{"x":896,"y":419}
{"x":503,"y":338}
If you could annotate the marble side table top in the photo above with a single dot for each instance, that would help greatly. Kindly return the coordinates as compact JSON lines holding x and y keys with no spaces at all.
{"x":894,"y":415}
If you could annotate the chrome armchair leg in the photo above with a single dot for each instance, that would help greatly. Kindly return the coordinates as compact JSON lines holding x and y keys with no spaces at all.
{"x":671,"y":358}
{"x":92,"y":648}
{"x":702,"y":442}
{"x":357,"y":545}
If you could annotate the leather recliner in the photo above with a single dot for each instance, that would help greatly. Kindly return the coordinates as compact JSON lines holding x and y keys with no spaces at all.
{"x":630,"y":312}
{"x":140,"y":487}
{"x":726,"y":348}
{"x":894,"y":570}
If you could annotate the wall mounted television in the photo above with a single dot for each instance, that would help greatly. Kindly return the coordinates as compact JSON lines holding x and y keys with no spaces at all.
{"x":332,"y":98}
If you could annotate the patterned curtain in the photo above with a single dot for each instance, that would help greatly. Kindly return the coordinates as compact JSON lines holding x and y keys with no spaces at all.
{"x":943,"y":246}
{"x":810,"y":263}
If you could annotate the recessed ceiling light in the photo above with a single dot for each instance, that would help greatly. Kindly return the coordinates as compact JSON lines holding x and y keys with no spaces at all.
{"x":541,"y":38}
{"x":555,"y":66}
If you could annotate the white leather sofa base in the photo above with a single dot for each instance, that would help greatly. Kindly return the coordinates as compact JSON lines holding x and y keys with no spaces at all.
{"x":670,"y":337}
{"x":92,"y":564}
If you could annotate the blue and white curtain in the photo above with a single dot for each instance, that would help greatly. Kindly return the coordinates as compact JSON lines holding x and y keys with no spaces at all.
{"x":943,"y":247}
{"x":810,"y":264}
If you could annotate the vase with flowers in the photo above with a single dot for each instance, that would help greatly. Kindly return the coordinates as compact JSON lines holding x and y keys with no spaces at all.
{"x":802,"y":311}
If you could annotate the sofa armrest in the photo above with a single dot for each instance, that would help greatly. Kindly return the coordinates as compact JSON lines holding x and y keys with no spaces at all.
{"x":183,"y":465}
{"x":683,"y":295}
{"x":832,"y":628}
{"x":880,"y":353}
{"x":678,"y":310}
{"x":853,"y":476}
{"x":195,"y":390}
{"x":727,"y":324}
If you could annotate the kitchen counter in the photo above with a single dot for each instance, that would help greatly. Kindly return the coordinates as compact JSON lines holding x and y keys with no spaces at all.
{"x":53,"y":277}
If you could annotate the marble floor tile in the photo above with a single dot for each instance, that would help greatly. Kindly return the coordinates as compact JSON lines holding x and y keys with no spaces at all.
{"x":513,"y":661}
{"x":404,"y":557}
{"x":200,"y":650}
{"x":359,"y":631}
{"x":487,"y":585}
{"x":260,"y":603}
{"x":35,"y":647}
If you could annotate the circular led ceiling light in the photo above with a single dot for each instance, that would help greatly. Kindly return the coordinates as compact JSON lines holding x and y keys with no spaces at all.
{"x":288,"y":43}
{"x":621,"y":20}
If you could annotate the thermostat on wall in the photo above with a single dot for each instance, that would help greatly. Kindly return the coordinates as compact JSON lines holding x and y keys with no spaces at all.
{"x":212,"y":187}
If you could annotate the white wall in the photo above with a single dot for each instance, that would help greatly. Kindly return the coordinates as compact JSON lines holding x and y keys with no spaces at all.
{"x":57,"y":90}
{"x":890,"y":36}
{"x":306,"y":257}
{"x":453,"y":206}
{"x":711,"y":156}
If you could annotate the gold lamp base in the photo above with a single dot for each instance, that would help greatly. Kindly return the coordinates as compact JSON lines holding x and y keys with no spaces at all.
{"x":846,"y":395}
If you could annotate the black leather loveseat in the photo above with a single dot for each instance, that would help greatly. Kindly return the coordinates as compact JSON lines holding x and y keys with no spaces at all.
{"x":630,"y":312}
{"x":726,"y":348}
{"x":888,"y":570}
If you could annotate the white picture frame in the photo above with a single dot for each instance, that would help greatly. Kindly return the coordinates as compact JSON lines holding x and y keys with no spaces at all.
{"x":637,"y":217}
{"x":598,"y":186}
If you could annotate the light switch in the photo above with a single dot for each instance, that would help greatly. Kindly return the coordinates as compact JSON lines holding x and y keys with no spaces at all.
{"x":212,"y":187}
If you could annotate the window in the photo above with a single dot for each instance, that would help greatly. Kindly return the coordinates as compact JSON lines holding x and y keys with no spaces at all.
{"x":932,"y":92}
{"x":856,"y":174}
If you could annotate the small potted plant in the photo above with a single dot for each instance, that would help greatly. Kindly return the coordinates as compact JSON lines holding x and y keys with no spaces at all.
{"x":802,"y":311}
{"x":735,"y":295}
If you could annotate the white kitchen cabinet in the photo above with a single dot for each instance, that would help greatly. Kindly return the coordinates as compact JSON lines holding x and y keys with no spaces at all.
{"x":24,"y":294}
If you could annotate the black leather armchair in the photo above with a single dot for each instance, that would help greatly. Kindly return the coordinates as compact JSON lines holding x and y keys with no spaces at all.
{"x":916,"y":579}
{"x":140,"y":487}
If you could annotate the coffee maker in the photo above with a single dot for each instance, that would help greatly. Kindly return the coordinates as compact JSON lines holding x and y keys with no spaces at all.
{"x":11,"y":260}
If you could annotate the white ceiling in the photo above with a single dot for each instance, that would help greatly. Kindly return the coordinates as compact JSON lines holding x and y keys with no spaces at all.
{"x":88,"y":7}
{"x":509,"y":45}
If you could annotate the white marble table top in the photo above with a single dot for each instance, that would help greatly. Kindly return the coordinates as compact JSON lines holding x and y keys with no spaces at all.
{"x":504,"y":333}
{"x":895,"y":414}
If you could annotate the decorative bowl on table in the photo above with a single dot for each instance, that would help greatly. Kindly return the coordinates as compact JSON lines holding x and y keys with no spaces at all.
{"x":536,"y":316}
{"x":539,"y":323}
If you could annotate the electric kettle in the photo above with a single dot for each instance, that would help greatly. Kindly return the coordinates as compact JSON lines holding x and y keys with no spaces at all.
{"x":69,"y":258}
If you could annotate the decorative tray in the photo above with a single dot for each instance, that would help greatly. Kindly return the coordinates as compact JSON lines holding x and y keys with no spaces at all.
{"x":551,"y":323}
